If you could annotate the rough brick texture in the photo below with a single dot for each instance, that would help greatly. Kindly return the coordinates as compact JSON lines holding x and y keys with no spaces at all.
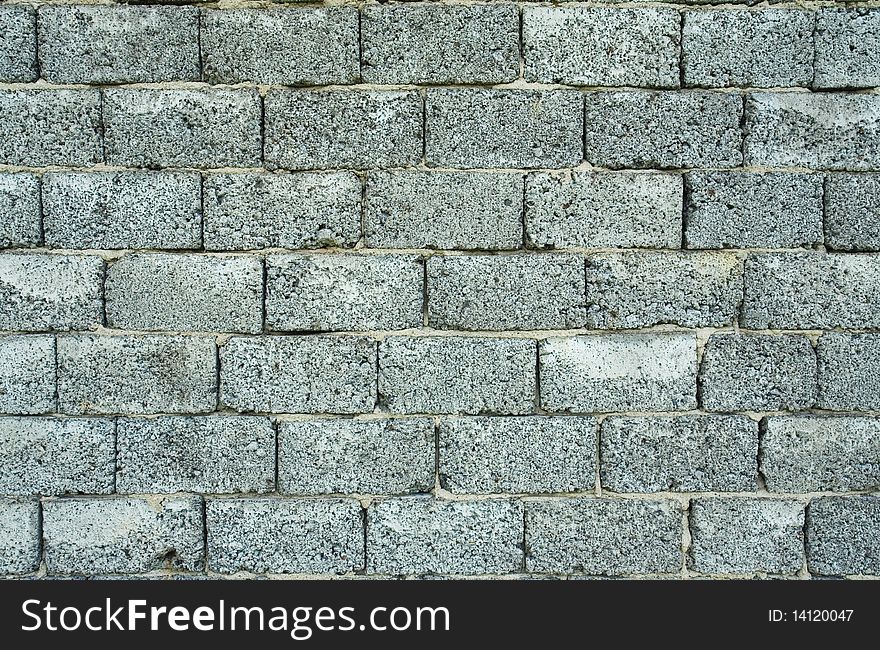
{"x":488,"y":289}
{"x":619,"y":372}
{"x":690,"y":453}
{"x":603,"y":536}
{"x":422,"y":535}
{"x":517,"y":454}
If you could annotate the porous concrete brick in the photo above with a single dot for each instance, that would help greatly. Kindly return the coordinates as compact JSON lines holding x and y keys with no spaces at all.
{"x":18,"y":47}
{"x":118,"y":44}
{"x":486,"y":455}
{"x":601,"y":46}
{"x":667,"y":130}
{"x":40,"y":291}
{"x":447,"y":210}
{"x":743,"y":372}
{"x":332,"y":129}
{"x":424,"y":535}
{"x":752,"y":210}
{"x":847,"y":48}
{"x":217,"y":454}
{"x":438,"y":44}
{"x":136,"y":374}
{"x":351,"y":292}
{"x":809,"y":453}
{"x":730,"y":47}
{"x":27,"y":374}
{"x":598,"y":210}
{"x":87,"y":536}
{"x":315,"y":374}
{"x":56,"y":456}
{"x":148,"y":127}
{"x":478,"y":127}
{"x":19,"y":536}
{"x":332,"y":456}
{"x":852,"y":212}
{"x":158,"y":291}
{"x":641,"y":288}
{"x":279,"y":46}
{"x":619,"y":372}
{"x":849,"y":368}
{"x":107,"y":210}
{"x":689,"y":453}
{"x":250,"y":211}
{"x":811,"y":291}
{"x":745,"y":536}
{"x":843,"y":536}
{"x":42,"y":127}
{"x":19,"y":210}
{"x":285,"y":535}
{"x":511,"y":292}
{"x":815,"y":130}
{"x":603,"y":536}
{"x":455,"y":374}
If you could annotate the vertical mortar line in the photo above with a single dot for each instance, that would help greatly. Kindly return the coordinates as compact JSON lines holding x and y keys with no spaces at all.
{"x":537,"y":403}
{"x":524,"y":537}
{"x":680,"y":48}
{"x":597,"y":441}
{"x":264,"y":267}
{"x":202,"y":212}
{"x":806,"y":566}
{"x":522,"y":212}
{"x":105,"y":267}
{"x":199,"y":27}
{"x":743,"y":128}
{"x":437,"y":485}
{"x":364,"y":524}
{"x":40,"y":217}
{"x":216,"y":375}
{"x":101,"y":126}
{"x":825,"y":211}
{"x":41,"y":535}
{"x":56,"y":398}
{"x":521,"y":44}
{"x":425,"y":291}
{"x":364,"y":178}
{"x":360,"y":40}
{"x":261,"y":96}
{"x":761,"y":479}
{"x":37,"y":30}
{"x":423,"y":94}
{"x":686,"y":538}
{"x":276,"y":428}
{"x":115,"y":453}
{"x":205,"y":532}
{"x":378,"y":401}
{"x":815,"y":37}
{"x":685,"y":198}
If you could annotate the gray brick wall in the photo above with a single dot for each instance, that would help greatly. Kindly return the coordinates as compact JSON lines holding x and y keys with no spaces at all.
{"x":484,"y":288}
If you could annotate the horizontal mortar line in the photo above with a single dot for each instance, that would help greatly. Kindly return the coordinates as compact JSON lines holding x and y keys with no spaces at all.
{"x":286,"y":4}
{"x":561,"y":172}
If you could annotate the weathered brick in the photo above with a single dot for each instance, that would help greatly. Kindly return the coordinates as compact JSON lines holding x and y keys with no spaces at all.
{"x":849,"y":371}
{"x":753,"y":210}
{"x":315,"y":374}
{"x":118,"y":44}
{"x":603,"y":536}
{"x":816,"y":130}
{"x":811,"y":291}
{"x":41,"y":127}
{"x":217,"y":454}
{"x":56,"y":456}
{"x":820,"y":454}
{"x":643,"y":129}
{"x":601,"y":46}
{"x":334,"y":129}
{"x":454,"y":374}
{"x":40,"y":291}
{"x":512,"y":292}
{"x":27,"y":374}
{"x":19,"y":209}
{"x":147,"y":127}
{"x":88,"y":536}
{"x":451,"y":210}
{"x":619,"y":372}
{"x":424,"y":535}
{"x":478,"y":127}
{"x":157,"y":291}
{"x":248,"y":211}
{"x":847,"y":48}
{"x":439,"y":44}
{"x":343,"y":292}
{"x":640,"y":288}
{"x":317,"y":536}
{"x":18,"y":47}
{"x":485,"y":455}
{"x":136,"y":374}
{"x":598,"y":210}
{"x":744,"y":536}
{"x":332,"y":456}
{"x":742,"y":372}
{"x":766,"y":48}
{"x":689,"y":453}
{"x":276,"y":46}
{"x":122,"y":210}
{"x":19,"y":536}
{"x":852,"y":212}
{"x":843,"y":536}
